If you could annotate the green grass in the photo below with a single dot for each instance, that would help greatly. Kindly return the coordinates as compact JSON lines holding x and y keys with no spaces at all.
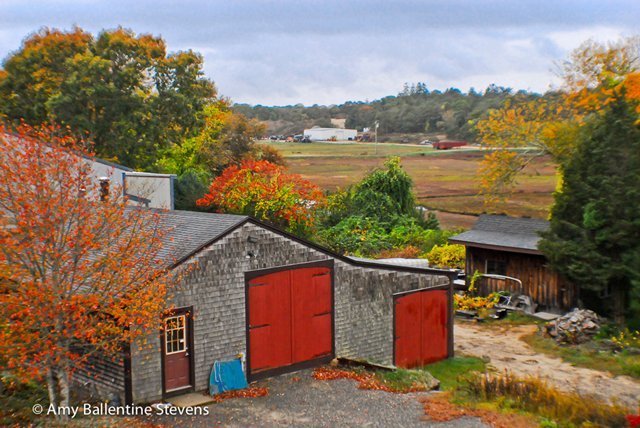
{"x":515,"y":318}
{"x":293,"y":150}
{"x":452,"y":372}
{"x":587,"y":355}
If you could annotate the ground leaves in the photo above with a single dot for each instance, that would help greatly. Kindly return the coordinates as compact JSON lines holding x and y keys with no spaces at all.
{"x":366,"y":380}
{"x":251,"y":392}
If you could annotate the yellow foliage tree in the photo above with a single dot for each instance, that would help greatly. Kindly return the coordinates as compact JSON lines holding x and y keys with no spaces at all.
{"x":526,"y":128}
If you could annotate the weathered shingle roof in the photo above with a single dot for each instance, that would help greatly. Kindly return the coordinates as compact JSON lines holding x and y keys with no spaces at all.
{"x":193,"y":231}
{"x":503,"y":232}
{"x":190,"y":231}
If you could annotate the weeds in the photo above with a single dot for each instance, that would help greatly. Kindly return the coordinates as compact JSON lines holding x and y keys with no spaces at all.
{"x":536,"y":396}
{"x":588,"y":355}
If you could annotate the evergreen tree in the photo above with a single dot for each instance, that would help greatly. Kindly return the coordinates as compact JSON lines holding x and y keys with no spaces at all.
{"x":594,"y":238}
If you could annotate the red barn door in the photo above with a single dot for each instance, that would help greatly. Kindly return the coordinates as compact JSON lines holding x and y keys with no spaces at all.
{"x":421,"y":330}
{"x":290,"y":319}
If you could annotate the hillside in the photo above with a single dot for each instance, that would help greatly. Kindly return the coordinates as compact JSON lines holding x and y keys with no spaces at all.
{"x":414,"y":114}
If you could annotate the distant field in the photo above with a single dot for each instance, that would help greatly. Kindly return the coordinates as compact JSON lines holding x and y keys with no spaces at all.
{"x":354,"y":149}
{"x":446,"y":181}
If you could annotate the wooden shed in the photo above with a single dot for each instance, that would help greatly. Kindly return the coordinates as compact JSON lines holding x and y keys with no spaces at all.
{"x":503,"y":246}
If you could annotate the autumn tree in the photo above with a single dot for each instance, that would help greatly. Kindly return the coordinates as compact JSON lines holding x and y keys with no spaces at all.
{"x":595,"y":225}
{"x":267,"y":192}
{"x":120,"y":90}
{"x":525,"y":128}
{"x":225,"y":138}
{"x":79,"y":273}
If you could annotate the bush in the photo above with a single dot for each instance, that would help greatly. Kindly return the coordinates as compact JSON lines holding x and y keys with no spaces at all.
{"x":408,"y":252}
{"x":359,"y":236}
{"x":467,"y":302}
{"x":626,"y":339}
{"x":447,"y":256}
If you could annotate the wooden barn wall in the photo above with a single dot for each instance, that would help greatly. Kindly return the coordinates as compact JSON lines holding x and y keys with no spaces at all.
{"x":101,"y":378}
{"x":546,"y":287}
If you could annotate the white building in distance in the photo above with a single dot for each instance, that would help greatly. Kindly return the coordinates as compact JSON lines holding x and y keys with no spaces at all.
{"x":330,"y":134}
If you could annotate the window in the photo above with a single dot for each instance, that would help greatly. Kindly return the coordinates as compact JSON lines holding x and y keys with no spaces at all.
{"x":174,"y":334}
{"x":496,"y":267}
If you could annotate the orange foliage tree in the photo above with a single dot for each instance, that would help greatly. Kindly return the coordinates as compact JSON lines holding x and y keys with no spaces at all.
{"x":264,"y":190}
{"x":79,"y":274}
{"x":548,"y":125}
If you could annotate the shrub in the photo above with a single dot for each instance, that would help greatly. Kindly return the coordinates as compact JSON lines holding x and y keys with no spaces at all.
{"x":408,"y":252}
{"x":467,"y":302}
{"x":447,"y":256}
{"x":626,"y":339}
{"x":359,"y":236}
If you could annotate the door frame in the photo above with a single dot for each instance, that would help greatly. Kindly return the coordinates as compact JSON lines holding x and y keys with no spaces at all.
{"x":187,"y":311}
{"x":450,"y":314}
{"x":248,"y":276}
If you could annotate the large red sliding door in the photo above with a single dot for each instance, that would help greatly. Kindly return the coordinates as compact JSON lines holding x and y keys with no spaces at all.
{"x":290,"y":317}
{"x":421,"y":330}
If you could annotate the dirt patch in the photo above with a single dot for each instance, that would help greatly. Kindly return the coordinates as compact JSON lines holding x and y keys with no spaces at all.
{"x":505,"y":351}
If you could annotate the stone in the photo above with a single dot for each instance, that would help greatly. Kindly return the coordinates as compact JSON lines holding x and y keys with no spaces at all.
{"x":577,"y":326}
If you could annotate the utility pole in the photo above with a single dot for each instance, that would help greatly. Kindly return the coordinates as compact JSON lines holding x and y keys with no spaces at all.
{"x":376,"y":135}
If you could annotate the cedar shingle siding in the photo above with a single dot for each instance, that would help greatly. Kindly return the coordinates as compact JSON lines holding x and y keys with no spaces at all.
{"x":215,"y":289}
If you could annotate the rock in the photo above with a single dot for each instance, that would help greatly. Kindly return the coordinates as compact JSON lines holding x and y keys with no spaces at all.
{"x":577,"y":326}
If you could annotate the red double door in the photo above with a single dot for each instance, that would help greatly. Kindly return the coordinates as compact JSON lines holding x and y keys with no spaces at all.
{"x":421,"y":330}
{"x":290,"y":315}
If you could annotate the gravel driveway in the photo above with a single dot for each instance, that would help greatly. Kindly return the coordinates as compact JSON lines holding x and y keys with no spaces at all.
{"x":299,"y":400}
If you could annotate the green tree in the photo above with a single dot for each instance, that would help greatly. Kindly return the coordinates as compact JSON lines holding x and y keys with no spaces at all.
{"x":379,"y":213}
{"x":595,"y":226}
{"x":391,"y":182}
{"x":120,"y":90}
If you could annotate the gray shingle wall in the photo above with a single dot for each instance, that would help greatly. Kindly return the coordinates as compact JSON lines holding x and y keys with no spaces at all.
{"x":215,"y":289}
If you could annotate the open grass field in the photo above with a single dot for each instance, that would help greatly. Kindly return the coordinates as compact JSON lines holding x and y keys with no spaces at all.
{"x":446,"y":181}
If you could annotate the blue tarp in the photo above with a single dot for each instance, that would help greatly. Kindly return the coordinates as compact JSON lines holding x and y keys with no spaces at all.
{"x":227,"y":376}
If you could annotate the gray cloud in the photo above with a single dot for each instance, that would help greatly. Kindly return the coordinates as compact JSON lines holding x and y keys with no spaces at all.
{"x":330,"y":51}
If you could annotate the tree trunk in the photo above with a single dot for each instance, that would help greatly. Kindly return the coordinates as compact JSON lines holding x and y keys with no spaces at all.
{"x":52,"y":387}
{"x":63,"y":383}
{"x":618,"y":292}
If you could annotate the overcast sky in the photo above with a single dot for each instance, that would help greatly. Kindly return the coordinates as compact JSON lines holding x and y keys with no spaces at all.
{"x":330,"y":51}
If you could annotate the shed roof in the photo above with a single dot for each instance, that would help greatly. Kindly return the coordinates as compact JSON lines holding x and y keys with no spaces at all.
{"x":192,"y":230}
{"x":501,"y":232}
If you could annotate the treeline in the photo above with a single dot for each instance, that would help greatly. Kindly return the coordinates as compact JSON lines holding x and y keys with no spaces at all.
{"x":415,"y":110}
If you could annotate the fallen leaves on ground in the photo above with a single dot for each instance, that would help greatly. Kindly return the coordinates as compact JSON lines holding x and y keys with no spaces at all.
{"x":253,"y":391}
{"x":365,"y":380}
{"x":439,"y":409}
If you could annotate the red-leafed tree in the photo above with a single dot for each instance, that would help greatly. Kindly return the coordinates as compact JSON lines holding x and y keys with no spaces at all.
{"x":79,"y":274}
{"x":266,"y":191}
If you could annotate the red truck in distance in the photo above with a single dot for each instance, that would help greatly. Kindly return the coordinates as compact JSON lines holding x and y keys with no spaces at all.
{"x":446,"y":145}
